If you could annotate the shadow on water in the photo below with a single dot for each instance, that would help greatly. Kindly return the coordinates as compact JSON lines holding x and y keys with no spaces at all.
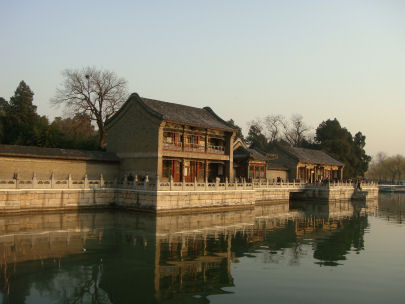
{"x":116,"y":257}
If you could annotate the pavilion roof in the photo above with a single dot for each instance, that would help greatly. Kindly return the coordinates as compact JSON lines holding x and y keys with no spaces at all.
{"x":312,"y":156}
{"x":203,"y":117}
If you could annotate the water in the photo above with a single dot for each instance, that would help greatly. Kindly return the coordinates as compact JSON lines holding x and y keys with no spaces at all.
{"x":275,"y":253}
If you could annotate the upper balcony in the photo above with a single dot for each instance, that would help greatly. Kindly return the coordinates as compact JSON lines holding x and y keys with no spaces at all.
{"x":216,"y":149}
{"x":189,"y":142}
{"x":194,"y":148}
{"x":173,"y":146}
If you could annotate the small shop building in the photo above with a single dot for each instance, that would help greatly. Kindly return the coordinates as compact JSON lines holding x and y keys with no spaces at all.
{"x":250,"y":163}
{"x":308,"y":165}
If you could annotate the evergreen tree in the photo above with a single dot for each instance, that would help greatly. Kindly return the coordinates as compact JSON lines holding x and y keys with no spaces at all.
{"x":340,"y":143}
{"x":238,"y":129}
{"x":76,"y":132}
{"x":3,"y":105}
{"x":20,"y":117}
{"x":256,"y":139}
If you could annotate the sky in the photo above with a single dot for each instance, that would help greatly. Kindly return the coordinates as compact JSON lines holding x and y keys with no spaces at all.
{"x":245,"y":59}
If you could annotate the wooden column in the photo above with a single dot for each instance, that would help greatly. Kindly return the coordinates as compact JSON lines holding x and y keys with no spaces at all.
{"x":206,"y":170}
{"x":183,"y":142}
{"x":230,"y":153}
{"x":206,"y":140}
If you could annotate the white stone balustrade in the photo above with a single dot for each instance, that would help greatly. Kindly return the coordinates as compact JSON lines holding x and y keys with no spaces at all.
{"x":152,"y":184}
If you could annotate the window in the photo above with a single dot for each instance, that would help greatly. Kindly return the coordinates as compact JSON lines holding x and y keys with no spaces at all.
{"x":172,"y":141}
{"x":171,"y":168}
{"x":201,"y":171}
{"x":257,"y":171}
{"x":167,"y":168}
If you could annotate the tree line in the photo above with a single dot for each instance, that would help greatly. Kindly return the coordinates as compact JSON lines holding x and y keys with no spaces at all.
{"x":387,"y":169}
{"x":91,"y":96}
{"x":20,"y":124}
{"x":329,"y":136}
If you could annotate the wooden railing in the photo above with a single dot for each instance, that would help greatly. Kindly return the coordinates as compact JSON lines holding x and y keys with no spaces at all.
{"x":216,"y":149}
{"x":194,"y":148}
{"x":173,"y":146}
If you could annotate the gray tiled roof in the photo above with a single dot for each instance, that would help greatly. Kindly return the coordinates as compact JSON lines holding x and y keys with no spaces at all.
{"x":273,"y":166}
{"x":203,"y":117}
{"x":312,"y":156}
{"x":241,"y":153}
{"x":55,"y":153}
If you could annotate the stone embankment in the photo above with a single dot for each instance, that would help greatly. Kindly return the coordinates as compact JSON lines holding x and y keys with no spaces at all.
{"x":46,"y":195}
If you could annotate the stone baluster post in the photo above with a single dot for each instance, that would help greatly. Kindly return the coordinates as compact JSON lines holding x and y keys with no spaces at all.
{"x":244,"y":184}
{"x":86,"y":182}
{"x":226,"y":183}
{"x":171,"y":182}
{"x":146,"y":183}
{"x":15,"y":177}
{"x":267,"y":183}
{"x":70,"y":181}
{"x":101,"y":180}
{"x":52,"y":180}
{"x":216,"y":183}
{"x":34,"y":180}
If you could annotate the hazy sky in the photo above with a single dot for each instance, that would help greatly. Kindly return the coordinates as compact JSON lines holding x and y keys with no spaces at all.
{"x":245,"y":59}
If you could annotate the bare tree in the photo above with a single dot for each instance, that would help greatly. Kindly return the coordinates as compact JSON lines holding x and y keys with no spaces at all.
{"x":387,"y":169}
{"x":273,"y":125}
{"x":94,"y":92}
{"x":295,"y":130}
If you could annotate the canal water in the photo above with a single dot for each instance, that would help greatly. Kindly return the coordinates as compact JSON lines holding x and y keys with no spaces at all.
{"x":346,"y":252}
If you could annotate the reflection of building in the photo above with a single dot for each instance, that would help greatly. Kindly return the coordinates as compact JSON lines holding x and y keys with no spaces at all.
{"x":308,"y":165}
{"x":165,"y":257}
{"x":165,"y":139}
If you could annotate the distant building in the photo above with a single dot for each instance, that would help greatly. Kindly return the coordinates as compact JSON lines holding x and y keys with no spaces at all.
{"x":252,"y":164}
{"x":162,"y":139}
{"x":307,"y":165}
{"x":248,"y":163}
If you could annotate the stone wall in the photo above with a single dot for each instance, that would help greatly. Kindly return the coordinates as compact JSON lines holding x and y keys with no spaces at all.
{"x":18,"y":200}
{"x":337,"y":192}
{"x":179,"y":197}
{"x":43,"y":168}
{"x":273,"y":174}
{"x":134,"y":136}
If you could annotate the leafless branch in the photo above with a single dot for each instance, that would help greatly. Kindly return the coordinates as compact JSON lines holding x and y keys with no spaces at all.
{"x":90,"y":91}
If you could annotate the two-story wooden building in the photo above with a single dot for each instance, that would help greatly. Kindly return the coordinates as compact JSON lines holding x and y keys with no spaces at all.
{"x":162,"y":139}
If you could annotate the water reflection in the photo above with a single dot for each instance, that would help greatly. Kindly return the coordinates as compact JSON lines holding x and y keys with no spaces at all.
{"x":112,"y":257}
{"x":391,"y":206}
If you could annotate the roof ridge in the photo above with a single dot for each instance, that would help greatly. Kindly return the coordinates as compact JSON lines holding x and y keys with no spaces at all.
{"x":211,"y":111}
{"x":170,"y":102}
